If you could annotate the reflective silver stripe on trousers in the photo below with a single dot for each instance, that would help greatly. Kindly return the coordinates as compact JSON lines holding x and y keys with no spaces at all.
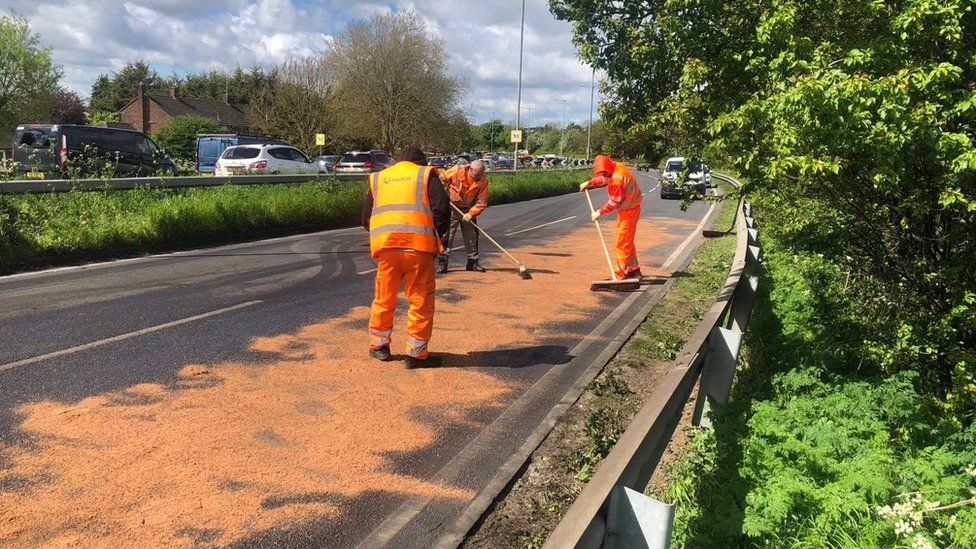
{"x":403,"y":229}
{"x":384,"y":333}
{"x":417,"y":347}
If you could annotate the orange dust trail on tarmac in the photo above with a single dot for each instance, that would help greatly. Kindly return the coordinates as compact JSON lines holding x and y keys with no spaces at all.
{"x":231,"y":449}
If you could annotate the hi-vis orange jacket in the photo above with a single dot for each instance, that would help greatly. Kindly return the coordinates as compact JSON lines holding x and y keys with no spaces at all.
{"x":621,"y":186}
{"x":401,"y":215}
{"x":465,"y":191}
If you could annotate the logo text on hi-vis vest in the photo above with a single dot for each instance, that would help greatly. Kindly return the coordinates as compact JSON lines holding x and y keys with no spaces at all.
{"x":401,"y":179}
{"x":516,"y":136}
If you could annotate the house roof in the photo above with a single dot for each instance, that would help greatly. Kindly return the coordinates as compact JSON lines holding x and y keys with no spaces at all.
{"x":234,"y":115}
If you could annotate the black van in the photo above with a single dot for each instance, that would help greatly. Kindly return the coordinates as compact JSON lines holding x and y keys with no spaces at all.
{"x":52,"y":151}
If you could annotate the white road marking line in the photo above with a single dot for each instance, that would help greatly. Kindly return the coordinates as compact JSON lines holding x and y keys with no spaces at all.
{"x":652,"y":190}
{"x":688,"y":240}
{"x":373,"y":270}
{"x":128,"y":335}
{"x":541,"y":226}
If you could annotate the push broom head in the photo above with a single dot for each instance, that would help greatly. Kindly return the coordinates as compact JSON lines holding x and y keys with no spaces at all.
{"x":628,"y":285}
{"x":524,"y":273}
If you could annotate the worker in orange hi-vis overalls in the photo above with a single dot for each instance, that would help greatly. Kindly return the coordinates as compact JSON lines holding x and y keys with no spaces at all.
{"x":405,"y":212}
{"x":626,"y":198}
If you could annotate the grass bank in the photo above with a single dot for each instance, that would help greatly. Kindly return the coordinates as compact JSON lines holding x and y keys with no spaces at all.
{"x":814,"y":449}
{"x":565,"y":462}
{"x":38,"y":230}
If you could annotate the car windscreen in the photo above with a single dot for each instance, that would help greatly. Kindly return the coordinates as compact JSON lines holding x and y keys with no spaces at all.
{"x":355,"y":158}
{"x":674,"y":166}
{"x":694,"y":167}
{"x":241,"y":153}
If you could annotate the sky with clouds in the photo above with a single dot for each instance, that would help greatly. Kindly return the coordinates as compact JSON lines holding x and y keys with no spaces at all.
{"x":91,"y":37}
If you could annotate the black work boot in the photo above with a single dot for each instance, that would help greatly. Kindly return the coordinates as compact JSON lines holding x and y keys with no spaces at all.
{"x":473,"y":265}
{"x":441,"y":265}
{"x":380,"y":353}
{"x":429,"y":362}
{"x":633,"y":275}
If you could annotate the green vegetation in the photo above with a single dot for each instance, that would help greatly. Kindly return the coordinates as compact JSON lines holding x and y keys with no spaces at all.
{"x":852,"y":122}
{"x":179,"y":135}
{"x":817,"y":451}
{"x":28,"y":76}
{"x":39,"y":228}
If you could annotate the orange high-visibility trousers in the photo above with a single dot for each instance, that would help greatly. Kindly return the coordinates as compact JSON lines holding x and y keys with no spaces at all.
{"x":626,"y":250}
{"x":415,"y":270}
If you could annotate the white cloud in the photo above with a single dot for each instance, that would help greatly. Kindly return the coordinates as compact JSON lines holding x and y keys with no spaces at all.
{"x":93,"y":37}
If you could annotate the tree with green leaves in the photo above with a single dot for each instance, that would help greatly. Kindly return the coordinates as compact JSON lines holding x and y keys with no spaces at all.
{"x":179,"y":135}
{"x":392,"y":82}
{"x":28,"y":75}
{"x":111,"y":93}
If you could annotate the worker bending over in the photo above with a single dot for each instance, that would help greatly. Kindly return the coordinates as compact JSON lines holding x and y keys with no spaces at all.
{"x":626,"y":198}
{"x":406,"y":209}
{"x":467,"y":187}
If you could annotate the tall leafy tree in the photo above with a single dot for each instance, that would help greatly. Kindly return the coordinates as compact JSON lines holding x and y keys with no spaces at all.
{"x":68,"y":108}
{"x":111,"y":93}
{"x":28,"y":75}
{"x":854,"y":118}
{"x":392,"y":81}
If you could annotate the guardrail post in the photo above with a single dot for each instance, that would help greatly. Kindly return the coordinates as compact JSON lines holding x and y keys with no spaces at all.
{"x":635,"y":520}
{"x":745,"y":295}
{"x":718,"y":371}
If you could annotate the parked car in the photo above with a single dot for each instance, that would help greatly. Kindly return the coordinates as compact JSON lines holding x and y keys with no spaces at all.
{"x":327,"y":163}
{"x":679,"y":179}
{"x":358,"y":163}
{"x":211,"y":145}
{"x":505,"y":163}
{"x":53,"y":151}
{"x":264,"y":159}
{"x":439,"y":162}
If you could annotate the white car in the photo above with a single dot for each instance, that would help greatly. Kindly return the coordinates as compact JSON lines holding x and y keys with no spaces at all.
{"x":264,"y":159}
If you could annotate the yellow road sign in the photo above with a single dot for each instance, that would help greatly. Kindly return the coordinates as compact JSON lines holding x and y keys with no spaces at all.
{"x":516,"y":136}
{"x":319,"y":139}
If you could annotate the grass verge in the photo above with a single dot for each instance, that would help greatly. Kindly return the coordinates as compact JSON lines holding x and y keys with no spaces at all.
{"x":36,"y":230}
{"x":567,"y":459}
{"x":813,"y":450}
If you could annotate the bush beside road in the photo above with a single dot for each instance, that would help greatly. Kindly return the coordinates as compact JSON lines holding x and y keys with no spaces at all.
{"x":41,"y":230}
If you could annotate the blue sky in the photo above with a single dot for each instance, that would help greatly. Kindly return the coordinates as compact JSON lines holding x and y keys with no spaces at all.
{"x":91,"y":37}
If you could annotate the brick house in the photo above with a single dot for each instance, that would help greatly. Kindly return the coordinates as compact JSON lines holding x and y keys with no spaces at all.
{"x":149,"y":112}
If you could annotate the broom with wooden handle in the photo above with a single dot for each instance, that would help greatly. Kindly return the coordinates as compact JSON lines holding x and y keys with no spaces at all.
{"x":614,"y":284}
{"x":522,"y":271}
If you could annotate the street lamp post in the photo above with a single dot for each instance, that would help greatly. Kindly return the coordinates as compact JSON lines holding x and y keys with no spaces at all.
{"x":562,"y":131}
{"x":589,"y":128}
{"x":518,"y":102}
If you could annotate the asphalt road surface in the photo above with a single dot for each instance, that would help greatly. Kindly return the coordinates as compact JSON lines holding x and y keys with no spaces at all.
{"x":224,"y":397}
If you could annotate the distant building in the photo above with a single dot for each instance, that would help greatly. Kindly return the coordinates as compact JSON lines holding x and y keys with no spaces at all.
{"x":149,"y":112}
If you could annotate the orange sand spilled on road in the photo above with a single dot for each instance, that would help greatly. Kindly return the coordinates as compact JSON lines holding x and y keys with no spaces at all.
{"x":231,"y":449}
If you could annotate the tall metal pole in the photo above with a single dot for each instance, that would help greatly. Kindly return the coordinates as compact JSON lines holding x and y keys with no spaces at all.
{"x":563,"y":129}
{"x":589,"y":129}
{"x":518,"y":102}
